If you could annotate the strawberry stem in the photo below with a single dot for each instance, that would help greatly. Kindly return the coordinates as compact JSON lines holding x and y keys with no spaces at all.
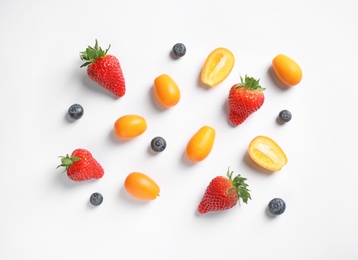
{"x":250,"y":83}
{"x":240,"y":186}
{"x":67,"y":161}
{"x":91,"y":54}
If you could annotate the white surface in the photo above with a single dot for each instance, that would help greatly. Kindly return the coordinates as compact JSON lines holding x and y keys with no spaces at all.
{"x":44,"y":215}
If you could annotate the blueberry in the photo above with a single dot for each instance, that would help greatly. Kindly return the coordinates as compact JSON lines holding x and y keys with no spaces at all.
{"x":75,"y":111}
{"x":96,"y":199}
{"x":179,"y":50}
{"x":276,"y":206}
{"x":285,"y":116}
{"x":158,"y":144}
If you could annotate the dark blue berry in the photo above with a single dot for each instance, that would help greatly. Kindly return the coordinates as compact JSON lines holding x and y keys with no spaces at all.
{"x":96,"y":199}
{"x":285,"y":116}
{"x":179,"y":50}
{"x":276,"y":206}
{"x":75,"y":111}
{"x":158,"y":144}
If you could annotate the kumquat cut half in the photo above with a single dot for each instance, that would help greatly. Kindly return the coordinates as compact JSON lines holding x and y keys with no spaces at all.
{"x":267,"y":153}
{"x":217,"y":67}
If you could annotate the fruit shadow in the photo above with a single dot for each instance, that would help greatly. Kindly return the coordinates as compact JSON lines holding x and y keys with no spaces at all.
{"x":70,"y":120}
{"x":95,"y":87}
{"x":268,"y":214}
{"x":185,"y":161}
{"x":90,"y":206}
{"x":249,"y":162}
{"x":199,"y":83}
{"x":215,"y":214}
{"x":126,"y":197}
{"x":153,"y":99}
{"x":173,"y":56}
{"x":279,"y":121}
{"x":226,"y":112}
{"x":151,"y":152}
{"x":62,"y":178}
{"x":202,"y":85}
{"x":115,"y":139}
{"x":272,"y":75}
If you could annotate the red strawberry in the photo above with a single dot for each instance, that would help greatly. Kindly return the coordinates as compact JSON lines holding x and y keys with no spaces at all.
{"x":104,"y":69}
{"x":244,"y":99}
{"x":81,"y":166}
{"x":223,"y":193}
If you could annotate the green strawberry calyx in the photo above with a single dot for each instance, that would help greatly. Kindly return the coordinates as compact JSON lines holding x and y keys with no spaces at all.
{"x":67,"y":161}
{"x":91,"y":54}
{"x":250,"y":83}
{"x":239,"y":184}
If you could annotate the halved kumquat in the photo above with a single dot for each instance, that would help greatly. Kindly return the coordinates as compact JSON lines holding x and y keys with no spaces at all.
{"x":217,"y":67}
{"x":267,"y":153}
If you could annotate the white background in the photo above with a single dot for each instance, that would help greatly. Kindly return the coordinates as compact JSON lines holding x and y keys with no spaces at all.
{"x":44,"y":215}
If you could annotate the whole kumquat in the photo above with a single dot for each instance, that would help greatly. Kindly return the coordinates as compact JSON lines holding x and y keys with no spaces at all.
{"x":166,"y":91}
{"x":130,"y":126}
{"x":141,"y":186}
{"x":200,"y":144}
{"x":217,"y":67}
{"x":287,"y":70}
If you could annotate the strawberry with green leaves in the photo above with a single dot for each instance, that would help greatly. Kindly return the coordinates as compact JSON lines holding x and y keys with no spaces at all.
{"x":81,"y":166}
{"x":244,"y":99}
{"x":104,"y":69}
{"x":223,"y":193}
